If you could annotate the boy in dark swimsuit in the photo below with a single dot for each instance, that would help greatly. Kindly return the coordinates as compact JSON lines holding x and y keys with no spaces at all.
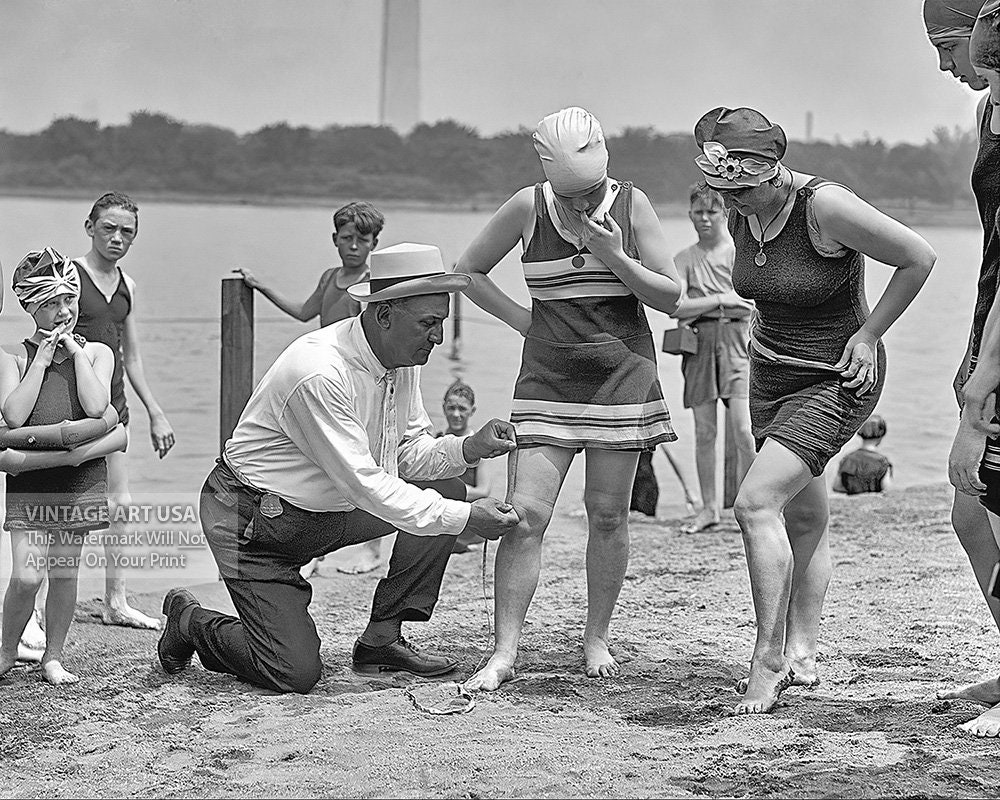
{"x":356,"y":228}
{"x":107,"y":314}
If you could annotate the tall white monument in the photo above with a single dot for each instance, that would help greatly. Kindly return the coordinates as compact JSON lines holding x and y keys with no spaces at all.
{"x":399,"y":101}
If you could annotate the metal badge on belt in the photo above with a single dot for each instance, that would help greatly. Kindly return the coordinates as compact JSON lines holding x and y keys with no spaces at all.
{"x":270,"y":506}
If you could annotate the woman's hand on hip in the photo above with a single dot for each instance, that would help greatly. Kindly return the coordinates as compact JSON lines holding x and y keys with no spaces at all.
{"x":858,"y":366}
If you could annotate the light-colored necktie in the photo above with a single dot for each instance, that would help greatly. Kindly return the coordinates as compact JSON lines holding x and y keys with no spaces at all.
{"x":390,"y":434}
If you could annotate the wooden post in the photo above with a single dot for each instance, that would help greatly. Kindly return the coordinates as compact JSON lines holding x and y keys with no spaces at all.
{"x":730,"y":472}
{"x":236,"y":383}
{"x":456,"y":327}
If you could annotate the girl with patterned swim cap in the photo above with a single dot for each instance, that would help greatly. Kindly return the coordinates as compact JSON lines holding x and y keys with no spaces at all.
{"x":817,"y":367}
{"x":593,"y":253}
{"x":54,"y":376}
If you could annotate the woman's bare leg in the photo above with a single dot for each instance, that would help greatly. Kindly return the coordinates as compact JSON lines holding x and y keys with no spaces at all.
{"x":775,"y":477}
{"x":973,"y":525}
{"x":606,"y":495}
{"x":986,"y":692}
{"x":807,"y":517}
{"x":534,"y":477}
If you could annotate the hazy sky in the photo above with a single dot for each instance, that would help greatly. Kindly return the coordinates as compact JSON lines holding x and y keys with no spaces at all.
{"x":858,"y":65}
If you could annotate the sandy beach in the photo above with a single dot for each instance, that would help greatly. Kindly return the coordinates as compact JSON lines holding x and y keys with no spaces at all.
{"x":903,"y":619}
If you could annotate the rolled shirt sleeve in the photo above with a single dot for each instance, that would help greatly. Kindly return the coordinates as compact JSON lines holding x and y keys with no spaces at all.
{"x":319,"y":418}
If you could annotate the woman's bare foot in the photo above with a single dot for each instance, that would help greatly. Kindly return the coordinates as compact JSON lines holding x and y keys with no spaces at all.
{"x":985,"y":725}
{"x":33,"y":637}
{"x":804,"y":671}
{"x":121,"y":613}
{"x":764,"y":687}
{"x":28,"y":654}
{"x":805,"y":674}
{"x":600,"y":662}
{"x":54,"y":673}
{"x":985,"y":692}
{"x":499,"y":669}
{"x":706,"y":519}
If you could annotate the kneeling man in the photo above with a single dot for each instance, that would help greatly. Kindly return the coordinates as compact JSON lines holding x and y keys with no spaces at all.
{"x":312,"y":467}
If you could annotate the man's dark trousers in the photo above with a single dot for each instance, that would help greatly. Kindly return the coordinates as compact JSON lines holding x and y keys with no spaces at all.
{"x":274,"y":643}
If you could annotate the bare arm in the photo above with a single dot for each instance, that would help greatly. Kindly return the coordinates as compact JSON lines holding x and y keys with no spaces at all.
{"x":161,"y":434}
{"x":979,"y":391}
{"x":302,"y":311}
{"x":18,"y":394}
{"x":93,"y":366}
{"x":850,"y":221}
{"x":501,"y":234}
{"x":480,"y":489}
{"x":654,"y":281}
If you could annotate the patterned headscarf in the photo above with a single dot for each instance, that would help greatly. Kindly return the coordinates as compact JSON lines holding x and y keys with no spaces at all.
{"x":42,"y":275}
{"x":948,"y":19}
{"x":570,"y":144}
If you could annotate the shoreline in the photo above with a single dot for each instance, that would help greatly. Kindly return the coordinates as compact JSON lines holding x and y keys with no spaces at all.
{"x":909,"y":214}
{"x":900,"y":622}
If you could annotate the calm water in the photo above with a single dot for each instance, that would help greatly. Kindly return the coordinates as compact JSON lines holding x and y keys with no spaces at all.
{"x":184,"y":250}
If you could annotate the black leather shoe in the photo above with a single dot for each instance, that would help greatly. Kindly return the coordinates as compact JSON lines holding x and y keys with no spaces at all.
{"x":399,"y":656}
{"x":174,"y":648}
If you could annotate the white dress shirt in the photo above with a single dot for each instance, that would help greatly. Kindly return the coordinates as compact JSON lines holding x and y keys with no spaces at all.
{"x":313,"y":423}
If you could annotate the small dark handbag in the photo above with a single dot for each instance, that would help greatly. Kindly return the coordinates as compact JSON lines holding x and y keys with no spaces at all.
{"x":680,"y":341}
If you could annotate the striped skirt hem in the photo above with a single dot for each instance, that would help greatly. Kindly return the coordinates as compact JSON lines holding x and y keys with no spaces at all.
{"x":641,"y":426}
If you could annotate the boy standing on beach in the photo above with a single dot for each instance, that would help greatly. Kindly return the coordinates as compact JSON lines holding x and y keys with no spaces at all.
{"x":107,"y":314}
{"x":356,"y":228}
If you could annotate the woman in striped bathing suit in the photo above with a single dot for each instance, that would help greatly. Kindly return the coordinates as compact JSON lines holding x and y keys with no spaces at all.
{"x":816,"y":368}
{"x":593,"y":253}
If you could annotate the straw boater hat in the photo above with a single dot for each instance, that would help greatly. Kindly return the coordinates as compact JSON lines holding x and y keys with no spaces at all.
{"x":407,"y":270}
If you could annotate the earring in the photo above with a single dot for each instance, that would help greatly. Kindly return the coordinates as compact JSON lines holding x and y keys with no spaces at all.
{"x":778,"y":180}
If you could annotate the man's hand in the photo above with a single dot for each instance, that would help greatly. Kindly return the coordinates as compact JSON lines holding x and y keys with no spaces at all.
{"x":494,"y":439}
{"x":491,"y":518}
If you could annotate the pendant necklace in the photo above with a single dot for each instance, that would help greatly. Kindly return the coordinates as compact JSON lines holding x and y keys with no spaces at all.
{"x":761,"y":258}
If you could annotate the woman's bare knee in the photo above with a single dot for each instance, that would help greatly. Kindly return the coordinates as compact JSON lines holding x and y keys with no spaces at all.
{"x":752,"y":507}
{"x":606,"y":518}
{"x":534,"y":516}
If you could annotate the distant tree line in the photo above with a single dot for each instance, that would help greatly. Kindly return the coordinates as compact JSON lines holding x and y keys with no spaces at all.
{"x":444,"y":161}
